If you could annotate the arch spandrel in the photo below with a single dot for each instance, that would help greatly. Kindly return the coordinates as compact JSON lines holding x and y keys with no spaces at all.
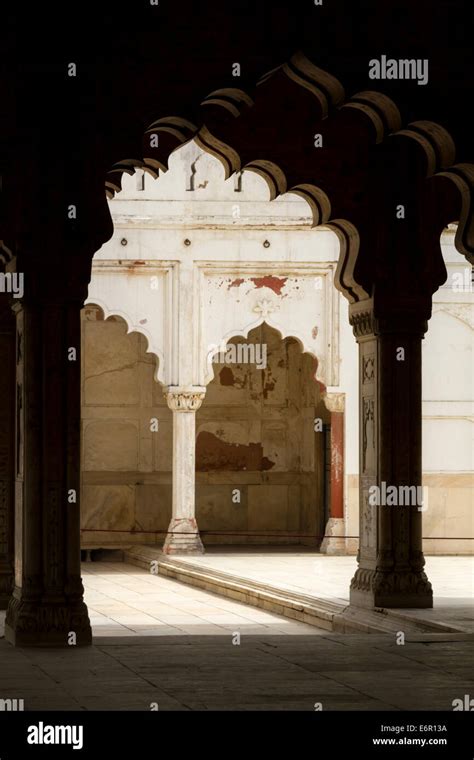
{"x":235,"y":128}
{"x":269,"y":282}
{"x":355,"y":194}
{"x":112,"y":306}
{"x":244,"y":302}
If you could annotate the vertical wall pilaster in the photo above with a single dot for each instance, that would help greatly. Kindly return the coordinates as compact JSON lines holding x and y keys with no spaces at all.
{"x":334,"y":534}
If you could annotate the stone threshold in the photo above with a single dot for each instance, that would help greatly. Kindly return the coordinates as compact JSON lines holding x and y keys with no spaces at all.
{"x":321,"y":613}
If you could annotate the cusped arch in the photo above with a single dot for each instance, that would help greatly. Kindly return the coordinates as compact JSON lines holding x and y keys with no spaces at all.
{"x":231,"y":99}
{"x":428,"y":145}
{"x":460,"y":178}
{"x":158,"y":374}
{"x":244,"y":331}
{"x":461,"y":312}
{"x":326,"y":88}
{"x":128,"y":166}
{"x":273,"y":175}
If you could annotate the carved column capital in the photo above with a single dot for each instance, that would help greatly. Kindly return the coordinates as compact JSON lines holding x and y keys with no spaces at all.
{"x":334,"y":402}
{"x":184,"y":399}
{"x":390,"y":314}
{"x":361,"y":317}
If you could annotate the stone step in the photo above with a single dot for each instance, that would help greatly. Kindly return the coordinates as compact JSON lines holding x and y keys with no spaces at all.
{"x":321,"y":613}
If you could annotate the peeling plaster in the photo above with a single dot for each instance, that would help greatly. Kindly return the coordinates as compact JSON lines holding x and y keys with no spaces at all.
{"x":270,"y":281}
{"x":213,"y":453}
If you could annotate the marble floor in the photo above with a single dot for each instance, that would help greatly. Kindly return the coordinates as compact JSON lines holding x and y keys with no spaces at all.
{"x":157,"y":642}
{"x":328,"y":577}
{"x":126,"y":601}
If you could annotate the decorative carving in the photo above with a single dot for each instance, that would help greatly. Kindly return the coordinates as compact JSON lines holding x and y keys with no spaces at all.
{"x":264,"y":308}
{"x":368,"y":427}
{"x":367,"y":523}
{"x":334,"y":402}
{"x":184,"y":400}
{"x":363,"y":322}
{"x":368,"y":368}
{"x":28,"y":620}
{"x":389,"y":583}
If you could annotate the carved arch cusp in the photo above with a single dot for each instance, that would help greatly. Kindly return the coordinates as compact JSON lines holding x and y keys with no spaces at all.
{"x":110,"y":309}
{"x":291,"y":304}
{"x":306,"y":346}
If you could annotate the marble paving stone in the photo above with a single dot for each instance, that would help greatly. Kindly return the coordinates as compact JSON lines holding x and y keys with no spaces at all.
{"x":139,"y":656}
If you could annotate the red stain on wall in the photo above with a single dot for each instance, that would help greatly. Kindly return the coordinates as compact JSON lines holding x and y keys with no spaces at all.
{"x":236,"y":283}
{"x":212,"y":453}
{"x":270,"y":281}
{"x":337,"y":464}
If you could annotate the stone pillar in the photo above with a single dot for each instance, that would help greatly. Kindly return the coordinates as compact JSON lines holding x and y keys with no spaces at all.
{"x":7,"y":448}
{"x":390,"y":559}
{"x":183,"y":534}
{"x":47,"y":607}
{"x":334,"y":541}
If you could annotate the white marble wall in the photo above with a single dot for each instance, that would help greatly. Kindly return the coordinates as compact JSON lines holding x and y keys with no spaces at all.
{"x":196,"y":259}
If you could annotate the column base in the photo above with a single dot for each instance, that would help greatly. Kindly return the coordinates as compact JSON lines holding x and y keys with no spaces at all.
{"x":392,"y":589}
{"x":183,"y":537}
{"x":36,"y":624}
{"x":334,"y":541}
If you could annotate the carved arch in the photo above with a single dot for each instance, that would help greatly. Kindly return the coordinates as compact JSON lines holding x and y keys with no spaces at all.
{"x":461,"y":312}
{"x":423,"y":151}
{"x":244,"y":331}
{"x":158,"y":374}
